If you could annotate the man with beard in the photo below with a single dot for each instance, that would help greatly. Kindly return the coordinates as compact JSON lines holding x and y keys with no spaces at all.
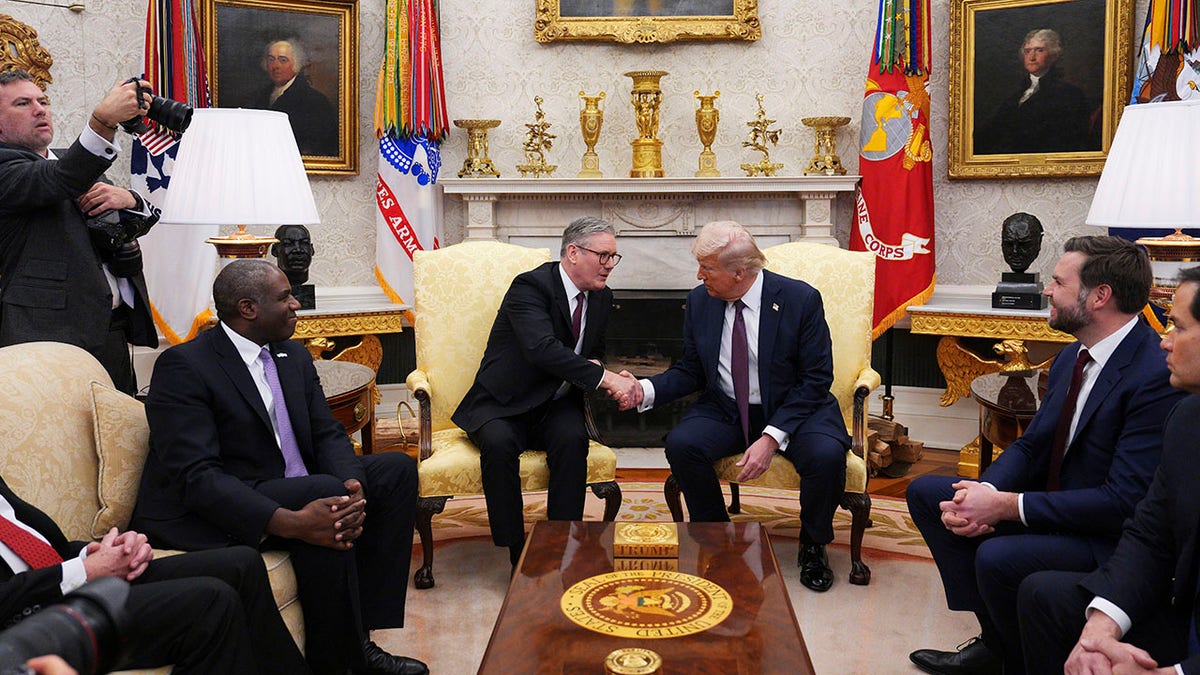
{"x":1057,"y":497}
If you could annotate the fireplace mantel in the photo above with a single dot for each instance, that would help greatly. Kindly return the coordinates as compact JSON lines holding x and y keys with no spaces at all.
{"x":654,"y":217}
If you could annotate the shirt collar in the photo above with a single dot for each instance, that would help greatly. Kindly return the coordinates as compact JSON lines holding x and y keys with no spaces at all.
{"x":1103,"y":350}
{"x":247,"y":349}
{"x":753,"y":297}
{"x":568,"y":285}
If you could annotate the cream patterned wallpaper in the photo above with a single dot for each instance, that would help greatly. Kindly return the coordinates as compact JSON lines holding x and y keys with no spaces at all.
{"x":812,"y":60}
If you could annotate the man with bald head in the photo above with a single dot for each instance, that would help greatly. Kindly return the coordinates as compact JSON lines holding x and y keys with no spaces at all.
{"x":244,"y":450}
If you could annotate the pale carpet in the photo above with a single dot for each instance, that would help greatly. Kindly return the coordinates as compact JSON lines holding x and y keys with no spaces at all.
{"x":850,"y":629}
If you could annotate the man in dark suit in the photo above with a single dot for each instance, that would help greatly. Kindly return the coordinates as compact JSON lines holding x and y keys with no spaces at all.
{"x":1046,"y":113}
{"x":313,"y":119}
{"x":786,"y":406}
{"x":1057,"y":496}
{"x":1139,"y":609}
{"x":244,"y":450}
{"x":206,"y":612}
{"x":56,"y":282}
{"x":543,"y":354}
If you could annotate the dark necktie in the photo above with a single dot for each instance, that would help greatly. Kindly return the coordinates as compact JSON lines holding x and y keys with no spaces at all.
{"x":577,"y":317}
{"x":739,"y":369}
{"x":35,"y":552}
{"x":1059,"y":449}
{"x":293,"y":463}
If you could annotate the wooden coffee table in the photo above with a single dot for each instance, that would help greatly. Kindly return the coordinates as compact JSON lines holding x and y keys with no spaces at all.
{"x":760,"y":635}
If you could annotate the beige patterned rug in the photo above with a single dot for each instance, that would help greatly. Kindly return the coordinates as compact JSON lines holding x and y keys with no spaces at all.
{"x":892,"y":531}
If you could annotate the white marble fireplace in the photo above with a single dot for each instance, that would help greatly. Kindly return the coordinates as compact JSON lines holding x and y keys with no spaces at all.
{"x":655,"y":218}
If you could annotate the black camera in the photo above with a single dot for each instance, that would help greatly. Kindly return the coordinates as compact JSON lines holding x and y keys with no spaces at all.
{"x":172,"y":115}
{"x":86,"y":629}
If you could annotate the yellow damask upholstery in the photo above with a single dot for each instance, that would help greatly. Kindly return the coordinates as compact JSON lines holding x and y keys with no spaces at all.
{"x":74,"y":447}
{"x":846,"y":280}
{"x":457,"y":291}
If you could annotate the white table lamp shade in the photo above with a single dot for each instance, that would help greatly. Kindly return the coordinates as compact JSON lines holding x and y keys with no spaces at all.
{"x":239,"y":167}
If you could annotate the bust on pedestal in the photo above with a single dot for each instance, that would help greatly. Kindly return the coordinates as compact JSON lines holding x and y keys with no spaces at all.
{"x":293,"y":253}
{"x":1021,"y":241}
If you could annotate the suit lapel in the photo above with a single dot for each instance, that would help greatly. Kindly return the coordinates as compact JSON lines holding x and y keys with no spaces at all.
{"x":231,"y":362}
{"x":291,"y":380}
{"x":1109,"y":377}
{"x":768,"y":330}
{"x":708,"y":329}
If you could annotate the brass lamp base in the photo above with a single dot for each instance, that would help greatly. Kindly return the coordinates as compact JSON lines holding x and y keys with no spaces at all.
{"x":241,"y":244}
{"x":1169,"y":255}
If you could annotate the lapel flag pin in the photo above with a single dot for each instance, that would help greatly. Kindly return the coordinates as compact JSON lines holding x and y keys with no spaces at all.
{"x":775,"y":306}
{"x":281,"y":355}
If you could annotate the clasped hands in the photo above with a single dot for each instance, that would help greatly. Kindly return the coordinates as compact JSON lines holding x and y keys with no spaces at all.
{"x":975,"y":508}
{"x":122,"y":556}
{"x":1099,"y":650}
{"x":623,"y":388}
{"x":332,"y":522}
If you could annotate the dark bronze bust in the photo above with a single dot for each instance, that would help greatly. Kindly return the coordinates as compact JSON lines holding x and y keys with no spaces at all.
{"x":293,"y":252}
{"x":1021,"y":240}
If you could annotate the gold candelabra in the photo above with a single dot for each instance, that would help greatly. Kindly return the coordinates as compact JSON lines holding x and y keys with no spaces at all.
{"x":761,"y":133}
{"x":707,"y":117}
{"x":538,"y":140}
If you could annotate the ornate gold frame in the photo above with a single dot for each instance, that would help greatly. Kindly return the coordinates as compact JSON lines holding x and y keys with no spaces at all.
{"x":550,"y":25}
{"x":964,"y":163}
{"x":346,"y":14}
{"x":20,"y":48}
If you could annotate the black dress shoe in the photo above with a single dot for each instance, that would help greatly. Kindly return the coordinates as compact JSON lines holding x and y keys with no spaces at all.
{"x":972,"y":658}
{"x":814,"y":567}
{"x":380,"y":662}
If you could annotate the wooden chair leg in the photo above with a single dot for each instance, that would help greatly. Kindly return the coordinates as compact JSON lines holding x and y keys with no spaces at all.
{"x":672,"y":495}
{"x":859,"y":506}
{"x":610,"y":492}
{"x":427,"y":507}
{"x":735,"y":498}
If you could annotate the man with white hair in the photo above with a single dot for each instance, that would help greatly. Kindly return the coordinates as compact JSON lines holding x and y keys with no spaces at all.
{"x":313,"y":119}
{"x":757,"y":346}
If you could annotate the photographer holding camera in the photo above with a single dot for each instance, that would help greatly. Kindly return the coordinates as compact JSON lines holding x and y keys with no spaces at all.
{"x":70,"y":266}
{"x":205,"y":612}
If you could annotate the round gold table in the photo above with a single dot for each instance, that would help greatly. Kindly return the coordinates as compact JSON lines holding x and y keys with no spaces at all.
{"x":1007,"y":402}
{"x":348,"y":390}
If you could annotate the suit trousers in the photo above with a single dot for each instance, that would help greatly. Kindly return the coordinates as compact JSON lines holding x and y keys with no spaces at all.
{"x":114,"y":353}
{"x":982,"y":574}
{"x":1052,"y":606}
{"x":209,"y":612}
{"x":347,"y":593}
{"x":558,"y":429}
{"x":708,"y":432}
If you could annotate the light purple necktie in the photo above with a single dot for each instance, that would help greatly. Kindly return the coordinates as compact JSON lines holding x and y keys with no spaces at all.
{"x":293,"y":463}
{"x":739,"y":369}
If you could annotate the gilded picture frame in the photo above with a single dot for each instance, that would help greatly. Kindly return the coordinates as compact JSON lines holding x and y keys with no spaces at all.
{"x":1001,"y":126}
{"x":644,"y":21}
{"x":313,"y":77}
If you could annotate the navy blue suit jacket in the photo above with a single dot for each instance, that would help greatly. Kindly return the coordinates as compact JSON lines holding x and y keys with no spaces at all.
{"x":1117,"y":446}
{"x":795,"y":359}
{"x":211,"y":443}
{"x":23,"y":594}
{"x":1154,"y":568}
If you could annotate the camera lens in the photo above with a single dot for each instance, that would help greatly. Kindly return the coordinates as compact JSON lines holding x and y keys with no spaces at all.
{"x":173,"y":115}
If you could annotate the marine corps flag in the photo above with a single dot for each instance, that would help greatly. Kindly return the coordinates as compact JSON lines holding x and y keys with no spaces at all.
{"x":894,"y":210}
{"x":410,"y":122}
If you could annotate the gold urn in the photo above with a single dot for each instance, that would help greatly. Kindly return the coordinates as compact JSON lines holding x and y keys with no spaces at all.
{"x":477,"y":164}
{"x":646,"y":98}
{"x":825,"y":159}
{"x":591,"y":118}
{"x":707,"y":117}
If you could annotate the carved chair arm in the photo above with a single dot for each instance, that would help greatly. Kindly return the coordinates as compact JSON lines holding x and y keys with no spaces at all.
{"x":418,"y":384}
{"x":867,"y":381}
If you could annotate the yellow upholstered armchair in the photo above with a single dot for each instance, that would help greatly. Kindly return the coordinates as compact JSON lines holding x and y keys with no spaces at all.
{"x":457,"y":292}
{"x":846,"y":280}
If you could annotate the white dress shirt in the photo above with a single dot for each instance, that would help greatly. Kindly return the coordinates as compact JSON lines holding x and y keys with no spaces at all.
{"x":73,"y":573}
{"x":572,"y":301}
{"x":250,"y":352}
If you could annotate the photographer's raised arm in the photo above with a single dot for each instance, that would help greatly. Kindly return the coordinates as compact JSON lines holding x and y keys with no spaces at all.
{"x":121,"y":103}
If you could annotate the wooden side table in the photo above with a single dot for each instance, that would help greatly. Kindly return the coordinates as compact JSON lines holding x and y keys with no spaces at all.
{"x":1007,"y":402}
{"x":348,"y":389}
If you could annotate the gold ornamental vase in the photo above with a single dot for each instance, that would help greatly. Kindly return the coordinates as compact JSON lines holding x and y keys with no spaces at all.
{"x":707,"y":117}
{"x":477,"y":163}
{"x":825,"y":159}
{"x":591,"y":118}
{"x":647,"y":98}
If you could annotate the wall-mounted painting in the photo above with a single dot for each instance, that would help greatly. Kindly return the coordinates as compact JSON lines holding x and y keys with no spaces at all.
{"x":298,"y":57}
{"x":646,"y":20}
{"x":1036,"y":86}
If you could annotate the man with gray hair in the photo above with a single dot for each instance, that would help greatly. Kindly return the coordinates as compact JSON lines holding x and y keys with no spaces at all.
{"x":1045,"y":113}
{"x":313,"y":119}
{"x":756,"y":345}
{"x":544,"y":352}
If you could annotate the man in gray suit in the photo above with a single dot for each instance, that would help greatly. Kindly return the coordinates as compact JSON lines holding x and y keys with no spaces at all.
{"x":61,"y":280}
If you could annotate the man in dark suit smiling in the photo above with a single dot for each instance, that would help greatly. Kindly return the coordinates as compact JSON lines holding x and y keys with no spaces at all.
{"x":244,"y":449}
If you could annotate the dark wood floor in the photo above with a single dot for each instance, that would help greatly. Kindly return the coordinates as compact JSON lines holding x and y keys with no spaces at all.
{"x":935,"y":462}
